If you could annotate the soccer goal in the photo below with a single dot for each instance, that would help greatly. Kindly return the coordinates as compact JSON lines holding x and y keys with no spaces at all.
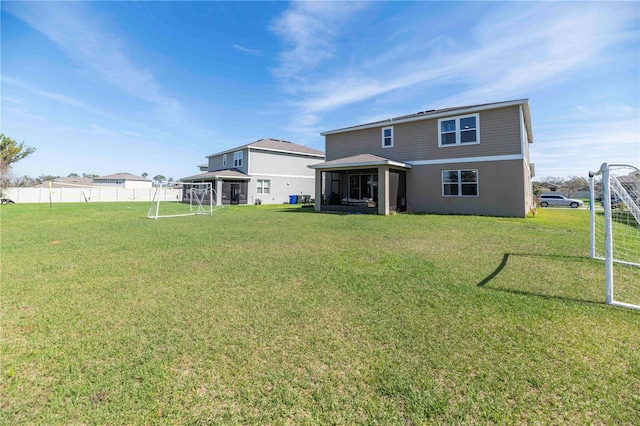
{"x":197,"y":199}
{"x":615,"y":230}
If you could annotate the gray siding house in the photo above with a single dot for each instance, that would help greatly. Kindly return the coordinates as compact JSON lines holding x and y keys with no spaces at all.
{"x":266,"y":171}
{"x":464,"y":160}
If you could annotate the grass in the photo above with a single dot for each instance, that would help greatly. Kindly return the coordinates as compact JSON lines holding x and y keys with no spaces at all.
{"x":278,"y":315}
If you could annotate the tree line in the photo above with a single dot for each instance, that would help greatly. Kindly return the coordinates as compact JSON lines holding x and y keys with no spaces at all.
{"x":26,"y":181}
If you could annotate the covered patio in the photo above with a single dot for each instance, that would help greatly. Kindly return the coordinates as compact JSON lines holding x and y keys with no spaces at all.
{"x":363,"y":183}
{"x":230,"y":185}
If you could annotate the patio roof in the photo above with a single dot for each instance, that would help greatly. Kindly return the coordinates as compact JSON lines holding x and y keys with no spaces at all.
{"x":231,"y":174}
{"x":361,"y":160}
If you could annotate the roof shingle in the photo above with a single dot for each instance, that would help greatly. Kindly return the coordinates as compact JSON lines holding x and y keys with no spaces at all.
{"x":124,"y":176}
{"x":269,"y":144}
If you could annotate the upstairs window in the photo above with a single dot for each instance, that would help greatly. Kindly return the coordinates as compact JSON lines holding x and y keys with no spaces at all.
{"x":224,"y":160}
{"x":458,"y":130}
{"x":387,"y":137}
{"x":237,"y":159}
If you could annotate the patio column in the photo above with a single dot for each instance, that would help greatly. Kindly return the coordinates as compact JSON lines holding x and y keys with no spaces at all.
{"x":383,"y":190}
{"x":218,"y":183}
{"x":318,"y":195}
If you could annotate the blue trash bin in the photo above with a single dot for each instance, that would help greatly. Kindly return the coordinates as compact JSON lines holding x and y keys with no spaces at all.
{"x":293,"y":199}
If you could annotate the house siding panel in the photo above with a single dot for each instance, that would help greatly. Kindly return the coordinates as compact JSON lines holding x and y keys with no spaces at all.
{"x":280,"y":188}
{"x":352,"y":143}
{"x":287,"y":174}
{"x":271,"y":162}
{"x":500,"y":189}
{"x":215,"y":162}
{"x":500,"y":134}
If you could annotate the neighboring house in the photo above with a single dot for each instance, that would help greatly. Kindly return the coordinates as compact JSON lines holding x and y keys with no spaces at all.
{"x":266,"y":171}
{"x":547,"y":186}
{"x":464,"y":160}
{"x":123,"y":180}
{"x":66,"y":182}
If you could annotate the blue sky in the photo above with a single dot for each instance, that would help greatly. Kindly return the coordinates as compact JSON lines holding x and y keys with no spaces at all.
{"x":107,"y":87}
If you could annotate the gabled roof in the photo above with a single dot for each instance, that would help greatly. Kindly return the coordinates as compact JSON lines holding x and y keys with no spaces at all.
{"x":443,"y":112}
{"x":123,"y":176}
{"x":217,"y":174}
{"x":276,"y":145}
{"x":360,"y":160}
{"x":549,"y":185}
{"x":66,"y":181}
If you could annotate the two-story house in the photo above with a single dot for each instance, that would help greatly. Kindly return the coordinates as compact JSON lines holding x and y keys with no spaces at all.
{"x":465,"y":160}
{"x":268,"y":171}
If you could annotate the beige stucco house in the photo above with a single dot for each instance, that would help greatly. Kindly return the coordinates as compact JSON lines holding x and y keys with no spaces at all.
{"x":464,"y":160}
{"x":123,"y":180}
{"x":267,"y":171}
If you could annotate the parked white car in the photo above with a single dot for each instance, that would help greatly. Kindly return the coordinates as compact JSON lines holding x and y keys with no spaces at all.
{"x":558,"y":200}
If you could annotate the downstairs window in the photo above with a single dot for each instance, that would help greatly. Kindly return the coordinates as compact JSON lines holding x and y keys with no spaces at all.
{"x":459,"y":183}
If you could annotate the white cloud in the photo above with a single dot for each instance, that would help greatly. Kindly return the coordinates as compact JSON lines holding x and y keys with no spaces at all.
{"x":569,"y":149}
{"x":605,"y":110}
{"x":509,"y":55}
{"x":84,"y":36}
{"x":56,"y":97}
{"x":309,"y":30}
{"x":43,"y":93}
{"x":253,"y":52}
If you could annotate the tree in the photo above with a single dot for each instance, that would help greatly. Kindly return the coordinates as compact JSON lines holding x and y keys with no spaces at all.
{"x":11,"y":152}
{"x":144,"y":174}
{"x":24,"y":181}
{"x":159,"y":178}
{"x":73,"y":175}
{"x":554,"y":180}
{"x":537,"y":188}
{"x":575,"y":183}
{"x":45,"y":178}
{"x":90,"y":175}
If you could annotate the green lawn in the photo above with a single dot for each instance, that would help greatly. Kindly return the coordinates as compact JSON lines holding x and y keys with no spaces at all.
{"x":278,"y":315}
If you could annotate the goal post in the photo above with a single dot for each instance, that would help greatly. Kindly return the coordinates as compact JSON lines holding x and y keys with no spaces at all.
{"x":197,"y":198}
{"x":615,"y":230}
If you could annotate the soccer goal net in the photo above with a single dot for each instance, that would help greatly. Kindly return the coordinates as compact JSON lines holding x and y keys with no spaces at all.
{"x":615,"y":230}
{"x":197,"y":199}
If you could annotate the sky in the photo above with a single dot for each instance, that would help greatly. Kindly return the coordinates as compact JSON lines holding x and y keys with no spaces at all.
{"x":155,"y":87}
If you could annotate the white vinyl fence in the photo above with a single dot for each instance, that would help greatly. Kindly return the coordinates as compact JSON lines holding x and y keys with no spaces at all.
{"x":89,"y":194}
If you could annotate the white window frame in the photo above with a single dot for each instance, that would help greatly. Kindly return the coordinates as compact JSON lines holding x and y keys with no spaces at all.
{"x":458,"y":130}
{"x":263,"y":186}
{"x":224,"y":160}
{"x":459,"y":183}
{"x":390,"y":137}
{"x":237,"y":159}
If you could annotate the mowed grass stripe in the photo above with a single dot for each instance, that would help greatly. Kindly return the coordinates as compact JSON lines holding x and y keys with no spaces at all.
{"x":278,"y":315}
